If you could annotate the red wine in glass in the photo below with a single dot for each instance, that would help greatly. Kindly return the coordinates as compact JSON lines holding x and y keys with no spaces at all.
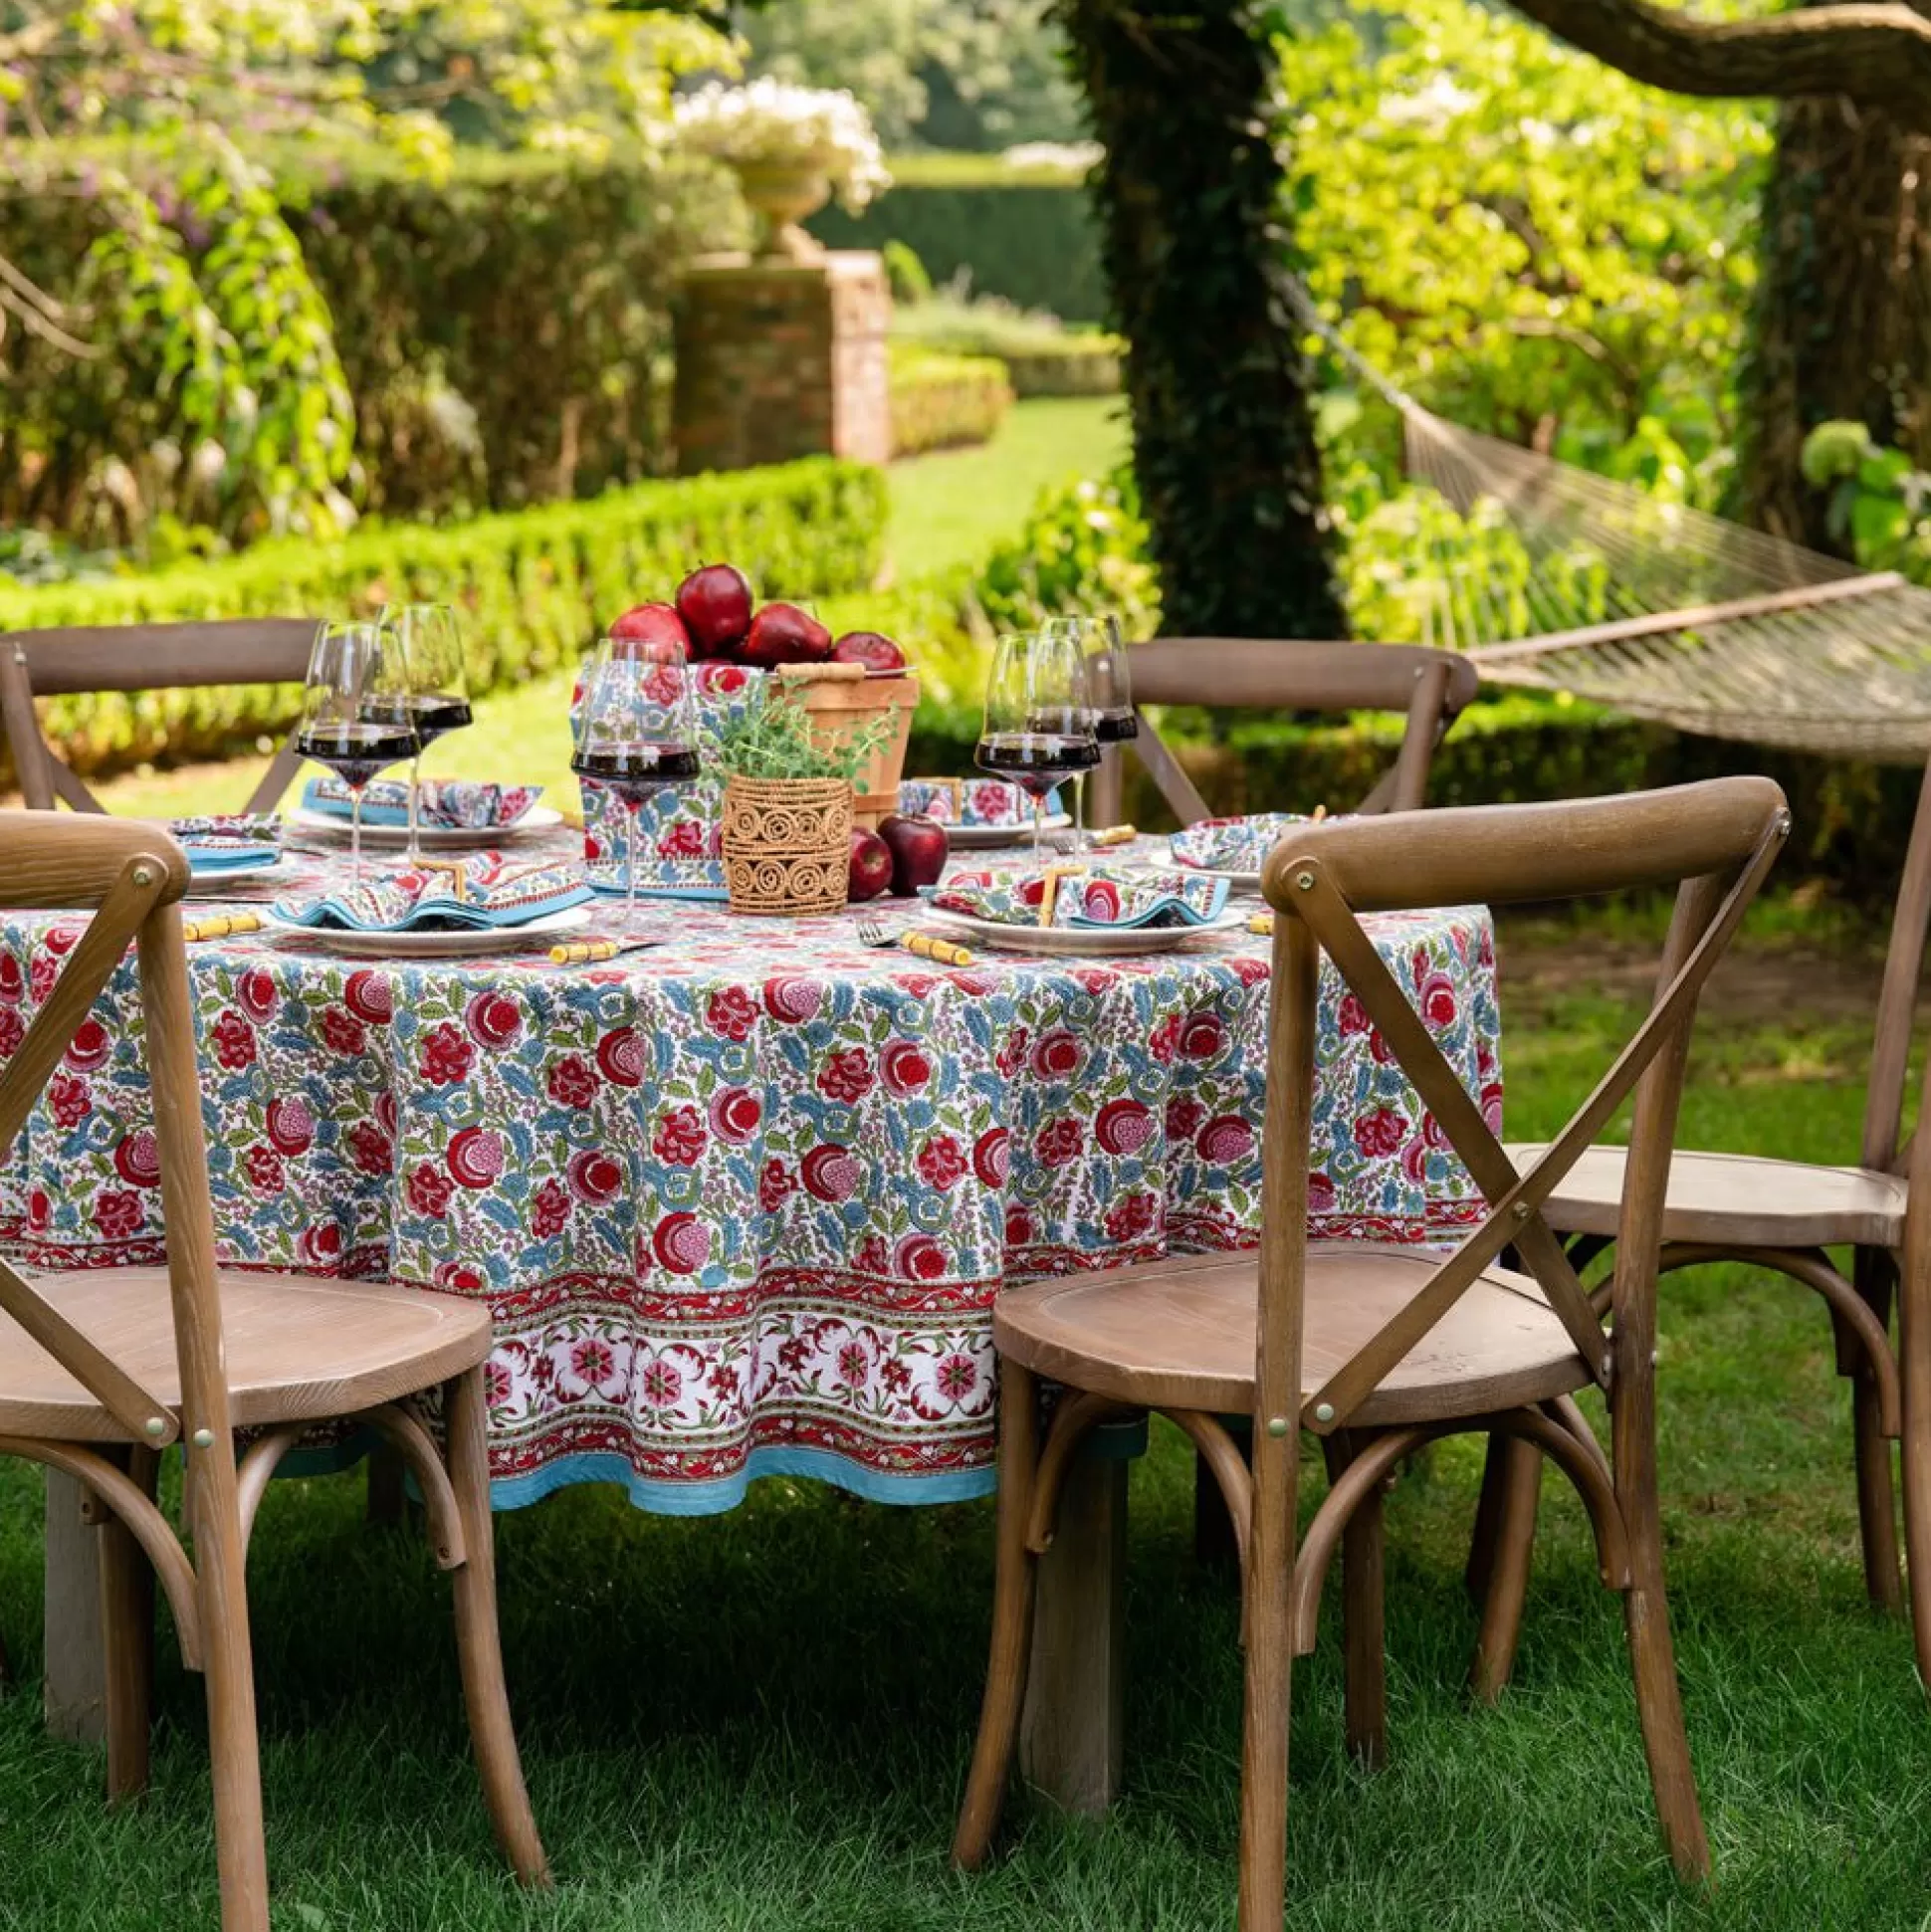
{"x":1115,"y":727}
{"x":635,"y":771}
{"x":355,"y":753}
{"x":429,"y":713}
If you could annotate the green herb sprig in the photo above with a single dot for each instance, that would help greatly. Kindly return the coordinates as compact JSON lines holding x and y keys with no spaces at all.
{"x":774,"y":740}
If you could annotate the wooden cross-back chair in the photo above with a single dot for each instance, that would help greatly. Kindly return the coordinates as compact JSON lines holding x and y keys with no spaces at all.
{"x":1785,"y":1216}
{"x":1431,"y":688}
{"x":139,"y":657}
{"x":1379,"y":1348}
{"x":103,"y":1369}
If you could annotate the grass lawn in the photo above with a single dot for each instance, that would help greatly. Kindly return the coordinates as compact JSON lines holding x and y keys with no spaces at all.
{"x":945,"y":510}
{"x":761,"y":1720}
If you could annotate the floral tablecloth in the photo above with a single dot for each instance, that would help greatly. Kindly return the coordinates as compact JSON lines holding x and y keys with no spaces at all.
{"x":739,"y":1204}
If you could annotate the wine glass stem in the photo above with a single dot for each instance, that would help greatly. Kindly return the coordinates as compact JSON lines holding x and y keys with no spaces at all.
{"x":415,"y":822}
{"x":1039,"y":821}
{"x":1079,"y":811}
{"x":354,"y":837}
{"x":630,"y":874}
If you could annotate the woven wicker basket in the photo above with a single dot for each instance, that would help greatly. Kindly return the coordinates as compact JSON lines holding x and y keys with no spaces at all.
{"x":786,"y":844}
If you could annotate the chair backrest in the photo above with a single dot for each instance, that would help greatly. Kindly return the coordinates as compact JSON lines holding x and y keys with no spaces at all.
{"x":130,"y":875}
{"x":1429,"y":687}
{"x":1898,"y":995}
{"x":1714,"y":841}
{"x":139,"y":657}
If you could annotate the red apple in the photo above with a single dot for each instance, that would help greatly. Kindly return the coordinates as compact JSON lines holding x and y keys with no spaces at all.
{"x":877,"y":654}
{"x":715,"y":603}
{"x":919,"y":848}
{"x":871,"y":864}
{"x":784,"y":634}
{"x":655,"y":626}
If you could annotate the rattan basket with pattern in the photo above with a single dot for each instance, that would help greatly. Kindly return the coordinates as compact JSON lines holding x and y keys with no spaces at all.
{"x":786,"y":844}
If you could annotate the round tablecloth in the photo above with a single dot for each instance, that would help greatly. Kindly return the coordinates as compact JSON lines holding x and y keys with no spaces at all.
{"x":739,"y":1204}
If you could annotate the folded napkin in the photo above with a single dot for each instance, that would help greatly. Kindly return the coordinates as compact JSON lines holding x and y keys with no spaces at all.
{"x":481,"y":893}
{"x":972,"y":802}
{"x":1233,"y":844}
{"x":449,"y":804}
{"x":1082,"y":896}
{"x":228,"y":842}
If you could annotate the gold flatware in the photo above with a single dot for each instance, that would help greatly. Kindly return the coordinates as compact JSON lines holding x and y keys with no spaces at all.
{"x":1107,"y":835}
{"x":929,"y":946}
{"x":222,"y":926}
{"x":587,"y":952}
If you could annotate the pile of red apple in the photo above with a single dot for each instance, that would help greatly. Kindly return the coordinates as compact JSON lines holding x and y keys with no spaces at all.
{"x":715,"y":618}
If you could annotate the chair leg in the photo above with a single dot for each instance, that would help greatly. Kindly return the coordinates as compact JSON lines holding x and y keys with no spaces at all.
{"x":1914,"y":1372}
{"x":1876,"y":1497}
{"x":1516,"y":1467}
{"x":384,"y":1504}
{"x":1480,"y":1565}
{"x":128,"y":1635}
{"x":1015,"y":1573}
{"x":1364,"y":1616}
{"x":478,"y":1641}
{"x":1267,"y":1621}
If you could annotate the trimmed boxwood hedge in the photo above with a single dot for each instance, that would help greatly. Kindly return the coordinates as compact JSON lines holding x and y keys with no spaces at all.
{"x":1027,"y":237}
{"x":941,"y":401}
{"x":533,"y":586}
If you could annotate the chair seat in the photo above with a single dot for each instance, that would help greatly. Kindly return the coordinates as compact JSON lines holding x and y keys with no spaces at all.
{"x":1735,"y":1200}
{"x":1181,"y":1333}
{"x":300,"y":1349}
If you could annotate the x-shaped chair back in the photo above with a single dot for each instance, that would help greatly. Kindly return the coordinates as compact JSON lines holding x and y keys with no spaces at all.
{"x":1715,"y":842}
{"x":139,"y":657}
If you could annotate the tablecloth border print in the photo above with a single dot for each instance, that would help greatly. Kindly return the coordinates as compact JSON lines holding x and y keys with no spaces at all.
{"x":1013,"y":1121}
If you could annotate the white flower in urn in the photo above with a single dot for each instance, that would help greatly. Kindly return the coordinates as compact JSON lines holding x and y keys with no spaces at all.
{"x":792,"y":148}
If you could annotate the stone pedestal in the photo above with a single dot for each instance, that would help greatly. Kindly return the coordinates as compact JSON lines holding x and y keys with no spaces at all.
{"x":782,"y":360}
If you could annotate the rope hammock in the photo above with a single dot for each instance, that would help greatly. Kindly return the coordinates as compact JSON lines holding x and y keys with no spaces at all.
{"x":1560,"y":579}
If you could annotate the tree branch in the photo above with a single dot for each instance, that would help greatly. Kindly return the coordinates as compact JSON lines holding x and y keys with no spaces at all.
{"x":1880,"y":54}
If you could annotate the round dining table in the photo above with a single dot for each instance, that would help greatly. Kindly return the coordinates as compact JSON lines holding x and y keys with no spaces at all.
{"x":740,"y":1201}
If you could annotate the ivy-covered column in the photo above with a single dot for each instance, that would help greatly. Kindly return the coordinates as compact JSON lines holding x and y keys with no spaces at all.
{"x":1194,"y":205}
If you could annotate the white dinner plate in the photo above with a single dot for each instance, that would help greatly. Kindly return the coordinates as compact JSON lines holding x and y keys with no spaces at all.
{"x":996,"y":838}
{"x":435,"y":838}
{"x":219,"y":882}
{"x":463,"y":945}
{"x":1083,"y":942}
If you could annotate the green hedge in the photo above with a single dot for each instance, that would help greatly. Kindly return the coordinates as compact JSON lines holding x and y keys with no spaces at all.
{"x":1081,"y":365}
{"x":506,"y":332}
{"x":534,"y":588}
{"x":1027,"y":237}
{"x":941,"y":401}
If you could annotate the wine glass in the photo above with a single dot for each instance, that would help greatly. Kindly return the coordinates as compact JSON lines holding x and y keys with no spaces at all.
{"x":1038,"y":726}
{"x":636,"y":732}
{"x":1109,"y":688}
{"x":438,"y":698}
{"x":356,"y":717}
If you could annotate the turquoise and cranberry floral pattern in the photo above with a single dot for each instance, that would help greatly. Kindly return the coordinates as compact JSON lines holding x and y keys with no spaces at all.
{"x":739,"y":1204}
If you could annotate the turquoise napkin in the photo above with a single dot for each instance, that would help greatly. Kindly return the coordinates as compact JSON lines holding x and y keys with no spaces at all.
{"x":1087,"y":896}
{"x":481,"y":894}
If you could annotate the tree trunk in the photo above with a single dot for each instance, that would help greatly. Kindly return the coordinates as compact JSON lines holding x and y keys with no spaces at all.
{"x":1190,"y":196}
{"x":1842,"y":327}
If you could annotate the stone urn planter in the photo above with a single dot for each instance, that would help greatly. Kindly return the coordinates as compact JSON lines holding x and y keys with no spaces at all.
{"x":786,"y":844}
{"x":782,"y":194}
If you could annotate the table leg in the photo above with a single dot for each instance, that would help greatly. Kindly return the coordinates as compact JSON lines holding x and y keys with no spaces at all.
{"x":75,"y":1669}
{"x":1070,"y":1731}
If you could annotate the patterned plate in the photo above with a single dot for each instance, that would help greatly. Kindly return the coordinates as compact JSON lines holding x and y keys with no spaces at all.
{"x":473,"y":944}
{"x":435,"y":838}
{"x":996,"y":838}
{"x":219,"y":882}
{"x":1081,"y":941}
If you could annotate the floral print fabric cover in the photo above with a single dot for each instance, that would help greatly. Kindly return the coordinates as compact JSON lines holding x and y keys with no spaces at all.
{"x":449,"y":804}
{"x":739,"y":1204}
{"x":221,"y":841}
{"x":680,"y":829}
{"x":1084,"y":897}
{"x":973,"y":801}
{"x":481,"y":892}
{"x":1233,"y":844}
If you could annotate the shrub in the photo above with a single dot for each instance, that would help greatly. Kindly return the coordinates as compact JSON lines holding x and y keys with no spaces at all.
{"x":533,"y":587}
{"x":505,"y":334}
{"x":1024,"y":234}
{"x":1043,"y":357}
{"x":1082,"y":547}
{"x":941,"y":401}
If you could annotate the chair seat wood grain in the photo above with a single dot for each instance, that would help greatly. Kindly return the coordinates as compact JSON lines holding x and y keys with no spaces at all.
{"x":1735,"y":1200}
{"x":299,"y":1348}
{"x":1181,"y":1333}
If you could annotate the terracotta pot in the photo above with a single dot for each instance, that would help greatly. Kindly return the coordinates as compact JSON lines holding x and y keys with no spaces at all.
{"x":786,"y":844}
{"x":782,"y":194}
{"x":842,"y":700}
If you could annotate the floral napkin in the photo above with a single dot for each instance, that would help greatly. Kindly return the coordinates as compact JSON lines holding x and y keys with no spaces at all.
{"x":1083,"y":896}
{"x":449,"y":804}
{"x":229,"y":841}
{"x":972,"y":802}
{"x":482,"y":892}
{"x":1233,"y":844}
